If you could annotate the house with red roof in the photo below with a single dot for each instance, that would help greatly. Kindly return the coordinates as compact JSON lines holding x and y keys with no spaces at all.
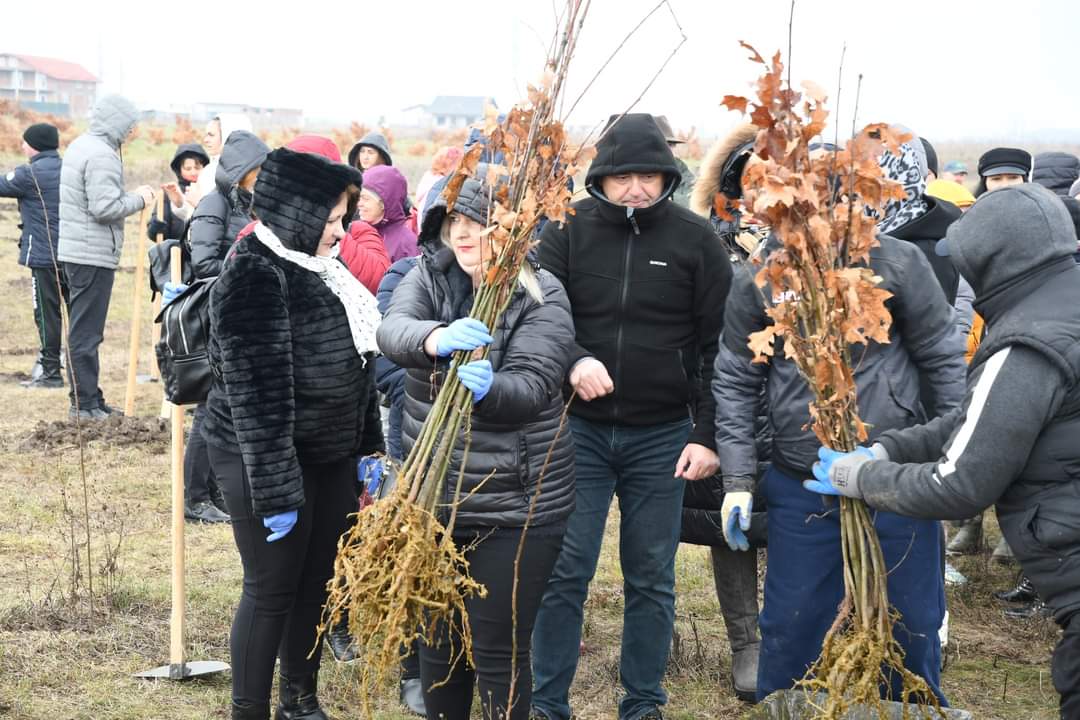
{"x":47,"y":83}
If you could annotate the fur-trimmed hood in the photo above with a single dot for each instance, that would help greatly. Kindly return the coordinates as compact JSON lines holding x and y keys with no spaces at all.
{"x":709,"y":174}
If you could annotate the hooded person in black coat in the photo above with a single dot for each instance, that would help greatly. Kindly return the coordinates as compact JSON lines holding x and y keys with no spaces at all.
{"x":647,"y":281}
{"x":291,"y":407}
{"x":518,"y":446}
{"x":188,"y":160}
{"x":1055,"y":171}
{"x":1012,"y":441}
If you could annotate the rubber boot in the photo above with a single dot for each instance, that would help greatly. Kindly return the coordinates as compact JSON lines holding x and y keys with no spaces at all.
{"x":249,"y":711}
{"x":735,"y":575}
{"x":298,"y":699}
{"x":968,"y":538}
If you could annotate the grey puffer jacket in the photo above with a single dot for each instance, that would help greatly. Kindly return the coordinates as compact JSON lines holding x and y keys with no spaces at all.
{"x":93,"y":203}
{"x":925,"y":344}
{"x":514,"y":426}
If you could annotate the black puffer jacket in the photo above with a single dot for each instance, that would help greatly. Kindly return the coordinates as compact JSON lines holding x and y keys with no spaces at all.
{"x":225,"y":210}
{"x":36,"y":186}
{"x":924,"y":343}
{"x":647,"y":289}
{"x":1056,"y":171}
{"x":514,"y":426}
{"x":292,"y":389}
{"x":924,"y":231}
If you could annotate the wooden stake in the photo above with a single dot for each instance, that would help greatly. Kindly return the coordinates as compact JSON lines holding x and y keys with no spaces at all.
{"x":176,"y":621}
{"x":136,"y":316}
{"x":155,"y":333}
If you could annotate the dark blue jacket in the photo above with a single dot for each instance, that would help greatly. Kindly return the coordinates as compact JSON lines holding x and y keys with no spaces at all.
{"x":38,"y":241}
{"x":389,"y":378}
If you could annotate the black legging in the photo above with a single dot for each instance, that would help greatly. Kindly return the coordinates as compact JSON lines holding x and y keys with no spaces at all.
{"x":284,"y":581}
{"x":491,"y":563}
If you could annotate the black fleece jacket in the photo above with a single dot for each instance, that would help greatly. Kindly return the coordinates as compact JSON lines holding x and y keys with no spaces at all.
{"x":647,"y":288}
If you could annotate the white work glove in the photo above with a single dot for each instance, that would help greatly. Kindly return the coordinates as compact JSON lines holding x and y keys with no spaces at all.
{"x":735,"y":515}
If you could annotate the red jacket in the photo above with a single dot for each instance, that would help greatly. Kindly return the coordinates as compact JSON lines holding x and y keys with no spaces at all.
{"x":364,"y":253}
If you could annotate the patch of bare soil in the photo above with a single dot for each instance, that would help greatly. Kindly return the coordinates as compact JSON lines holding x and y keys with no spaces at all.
{"x":14,"y":377}
{"x":151,"y":433}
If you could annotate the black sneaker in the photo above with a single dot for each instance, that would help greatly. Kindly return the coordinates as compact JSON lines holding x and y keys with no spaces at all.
{"x":204,"y":512}
{"x":1029,"y":611}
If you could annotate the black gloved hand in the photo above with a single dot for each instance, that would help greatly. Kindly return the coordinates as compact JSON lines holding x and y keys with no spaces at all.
{"x":154,"y":228}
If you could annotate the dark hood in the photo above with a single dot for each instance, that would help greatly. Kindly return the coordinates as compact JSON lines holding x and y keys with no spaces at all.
{"x":933,"y":224}
{"x":1008,"y":236}
{"x":187,"y":150}
{"x":375,"y":140}
{"x":632,"y":143}
{"x":1056,"y":171}
{"x":243,"y":152}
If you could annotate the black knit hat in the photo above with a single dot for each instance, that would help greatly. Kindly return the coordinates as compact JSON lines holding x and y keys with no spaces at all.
{"x":295,"y":193}
{"x":931,"y":156}
{"x":42,"y":137}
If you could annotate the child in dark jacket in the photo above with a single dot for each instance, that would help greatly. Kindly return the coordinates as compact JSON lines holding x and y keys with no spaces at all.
{"x":36,"y":185}
{"x":189,"y":159}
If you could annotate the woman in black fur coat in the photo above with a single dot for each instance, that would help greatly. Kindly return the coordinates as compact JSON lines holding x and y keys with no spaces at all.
{"x":291,"y":407}
{"x":515,"y":421}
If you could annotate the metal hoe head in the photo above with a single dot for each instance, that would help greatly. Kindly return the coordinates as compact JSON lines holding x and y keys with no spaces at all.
{"x":184,"y":670}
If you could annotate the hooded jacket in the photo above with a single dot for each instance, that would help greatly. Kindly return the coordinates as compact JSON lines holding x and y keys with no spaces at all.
{"x":224,"y":212}
{"x":392,"y":188}
{"x":36,"y":185}
{"x":289,"y":388}
{"x":647,"y":288}
{"x":924,"y":344}
{"x":515,"y":429}
{"x":373,"y":140}
{"x":1013,"y":441}
{"x":93,"y":202}
{"x":175,"y":225}
{"x":1056,"y":171}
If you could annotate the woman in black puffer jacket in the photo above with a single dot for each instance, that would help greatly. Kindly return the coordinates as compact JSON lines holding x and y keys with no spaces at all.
{"x":514,"y":423}
{"x":291,"y":407}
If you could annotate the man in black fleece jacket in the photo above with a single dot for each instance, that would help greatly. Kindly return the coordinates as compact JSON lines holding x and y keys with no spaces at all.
{"x":647,"y":281}
{"x":1013,"y":440}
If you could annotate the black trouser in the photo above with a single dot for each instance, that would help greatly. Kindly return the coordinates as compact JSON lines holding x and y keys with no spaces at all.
{"x":1065,"y":669}
{"x":284,"y":581}
{"x":90,"y":288}
{"x":198,"y":475}
{"x":491,"y":563}
{"x":47,"y":298}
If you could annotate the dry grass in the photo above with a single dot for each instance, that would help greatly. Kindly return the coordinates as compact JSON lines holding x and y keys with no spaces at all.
{"x":58,"y":661}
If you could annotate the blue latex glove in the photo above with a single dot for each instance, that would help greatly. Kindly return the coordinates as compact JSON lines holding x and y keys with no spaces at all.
{"x":171,"y":291}
{"x":735,"y":511}
{"x":279,"y":525}
{"x":370,"y":474}
{"x":477,"y":376}
{"x":837,"y":473}
{"x":462,"y":334}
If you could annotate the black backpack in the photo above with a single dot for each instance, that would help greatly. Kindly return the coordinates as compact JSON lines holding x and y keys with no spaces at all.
{"x":183,"y":351}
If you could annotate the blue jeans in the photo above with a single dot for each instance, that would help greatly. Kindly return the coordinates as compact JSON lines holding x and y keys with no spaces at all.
{"x":804,"y":585}
{"x":637,"y":464}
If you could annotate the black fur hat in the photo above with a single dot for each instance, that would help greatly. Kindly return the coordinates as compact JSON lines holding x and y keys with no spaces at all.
{"x":295,"y":193}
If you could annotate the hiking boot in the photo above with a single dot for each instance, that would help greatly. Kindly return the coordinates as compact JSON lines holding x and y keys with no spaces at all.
{"x":51,"y":381}
{"x":298,"y":699}
{"x":967,"y":540}
{"x":1024,"y":592}
{"x":341,"y":642}
{"x":248,"y":711}
{"x":204,"y":512}
{"x":735,"y":577}
{"x":91,"y":414}
{"x":1034,"y":609}
{"x":411,"y":695}
{"x":1003,"y":554}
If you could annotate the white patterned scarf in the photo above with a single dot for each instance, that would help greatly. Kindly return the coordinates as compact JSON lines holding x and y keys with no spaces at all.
{"x":360,"y":305}
{"x":906,"y":170}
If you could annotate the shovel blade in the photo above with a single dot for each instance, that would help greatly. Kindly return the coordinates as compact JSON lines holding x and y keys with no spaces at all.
{"x":184,"y":671}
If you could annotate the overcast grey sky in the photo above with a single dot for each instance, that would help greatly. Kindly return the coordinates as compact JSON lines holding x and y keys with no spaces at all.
{"x":995,"y":69}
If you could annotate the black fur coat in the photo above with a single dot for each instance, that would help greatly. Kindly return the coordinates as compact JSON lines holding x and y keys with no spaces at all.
{"x":292,"y":389}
